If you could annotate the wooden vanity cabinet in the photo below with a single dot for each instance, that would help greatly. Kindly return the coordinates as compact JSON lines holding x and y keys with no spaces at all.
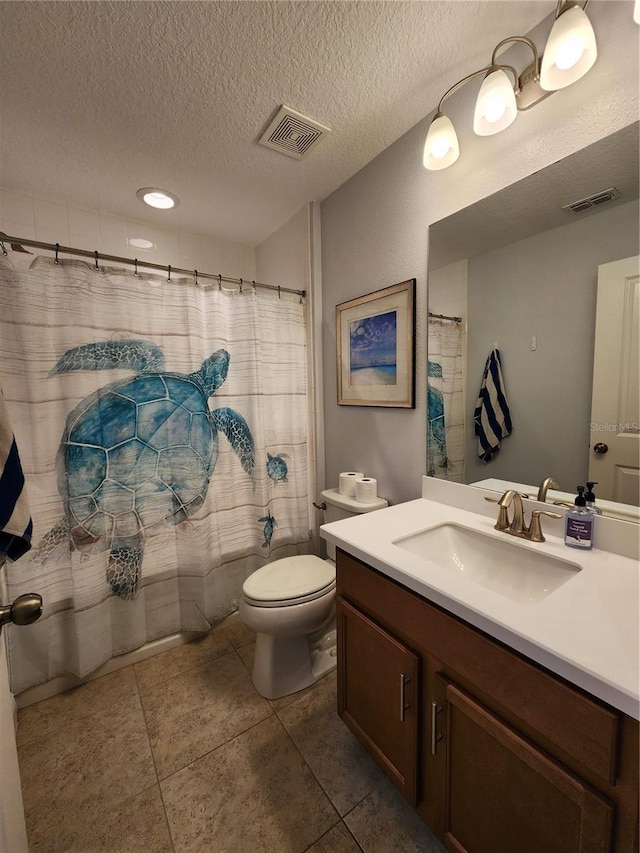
{"x":379,"y":700}
{"x":497,"y":754}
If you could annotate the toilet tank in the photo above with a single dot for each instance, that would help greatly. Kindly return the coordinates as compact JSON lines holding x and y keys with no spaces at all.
{"x":340,"y":506}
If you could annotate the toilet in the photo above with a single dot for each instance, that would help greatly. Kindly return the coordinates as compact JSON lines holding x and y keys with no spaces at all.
{"x":290,"y":604}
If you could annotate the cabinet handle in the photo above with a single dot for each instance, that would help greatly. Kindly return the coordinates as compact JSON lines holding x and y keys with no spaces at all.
{"x":404,"y":680}
{"x":435,"y":737}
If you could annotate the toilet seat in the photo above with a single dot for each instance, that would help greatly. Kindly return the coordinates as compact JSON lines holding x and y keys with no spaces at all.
{"x":290,"y":581}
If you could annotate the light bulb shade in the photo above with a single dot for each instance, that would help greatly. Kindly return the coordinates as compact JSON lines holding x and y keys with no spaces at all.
{"x":496,"y":105}
{"x":570,"y":52}
{"x":441,"y":147}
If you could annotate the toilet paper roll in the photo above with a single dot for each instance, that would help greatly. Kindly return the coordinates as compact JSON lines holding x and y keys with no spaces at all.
{"x":347,"y":483}
{"x":366,"y":490}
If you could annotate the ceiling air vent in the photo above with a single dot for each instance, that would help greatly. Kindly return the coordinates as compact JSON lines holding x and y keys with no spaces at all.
{"x":292,"y":133}
{"x":592,"y":200}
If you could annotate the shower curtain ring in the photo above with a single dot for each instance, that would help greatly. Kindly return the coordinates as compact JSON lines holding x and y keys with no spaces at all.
{"x":241,"y":286}
{"x":96,"y":257}
{"x":169,"y":272}
{"x":195,"y":277}
{"x":219,"y":282}
{"x":4,"y":251}
{"x":55,"y":260}
{"x":135,"y":266}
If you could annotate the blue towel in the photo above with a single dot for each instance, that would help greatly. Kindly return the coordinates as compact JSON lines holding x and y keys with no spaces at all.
{"x":491,"y":418}
{"x":15,"y":519}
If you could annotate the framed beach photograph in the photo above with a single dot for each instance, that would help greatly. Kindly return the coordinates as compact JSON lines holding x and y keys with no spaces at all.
{"x":375,"y":337}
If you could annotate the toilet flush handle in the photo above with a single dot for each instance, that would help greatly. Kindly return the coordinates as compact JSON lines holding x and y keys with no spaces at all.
{"x":321,"y":506}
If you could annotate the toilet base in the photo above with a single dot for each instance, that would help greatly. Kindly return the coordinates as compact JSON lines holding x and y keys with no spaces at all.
{"x":284,"y":665}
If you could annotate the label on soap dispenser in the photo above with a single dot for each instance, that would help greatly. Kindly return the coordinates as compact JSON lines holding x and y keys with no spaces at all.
{"x":579,"y":532}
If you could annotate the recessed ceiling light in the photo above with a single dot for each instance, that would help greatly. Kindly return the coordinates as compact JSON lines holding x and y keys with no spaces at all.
{"x":156,"y":197}
{"x":140,"y":243}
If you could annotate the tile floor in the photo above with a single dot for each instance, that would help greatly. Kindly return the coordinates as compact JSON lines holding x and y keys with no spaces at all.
{"x":180,"y":753}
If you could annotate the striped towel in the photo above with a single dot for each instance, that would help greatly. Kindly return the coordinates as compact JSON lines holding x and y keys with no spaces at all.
{"x":491,"y":418}
{"x":15,"y":518}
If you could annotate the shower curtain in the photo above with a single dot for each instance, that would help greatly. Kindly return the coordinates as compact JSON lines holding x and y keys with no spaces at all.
{"x":163,"y":432}
{"x":445,"y":402}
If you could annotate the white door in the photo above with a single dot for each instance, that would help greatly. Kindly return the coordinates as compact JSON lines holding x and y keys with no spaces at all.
{"x":13,"y":835}
{"x":614,"y":461}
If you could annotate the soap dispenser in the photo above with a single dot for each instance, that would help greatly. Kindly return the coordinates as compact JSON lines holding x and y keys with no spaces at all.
{"x":579,"y":523}
{"x":590,"y":498}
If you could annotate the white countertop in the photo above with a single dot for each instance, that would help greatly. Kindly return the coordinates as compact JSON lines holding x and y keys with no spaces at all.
{"x":586,"y":631}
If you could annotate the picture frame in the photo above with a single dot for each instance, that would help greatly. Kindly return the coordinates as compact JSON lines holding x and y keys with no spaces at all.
{"x":375,"y":340}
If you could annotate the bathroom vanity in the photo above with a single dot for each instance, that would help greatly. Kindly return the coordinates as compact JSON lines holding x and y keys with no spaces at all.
{"x":503,"y":740}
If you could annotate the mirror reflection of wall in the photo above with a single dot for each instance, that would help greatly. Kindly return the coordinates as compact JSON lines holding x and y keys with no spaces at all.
{"x":531,"y":290}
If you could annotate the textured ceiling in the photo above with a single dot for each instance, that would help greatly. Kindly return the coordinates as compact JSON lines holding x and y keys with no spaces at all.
{"x":101,"y":98}
{"x":535,"y":204}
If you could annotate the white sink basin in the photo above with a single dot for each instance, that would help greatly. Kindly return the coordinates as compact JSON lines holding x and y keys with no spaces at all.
{"x":503,"y":564}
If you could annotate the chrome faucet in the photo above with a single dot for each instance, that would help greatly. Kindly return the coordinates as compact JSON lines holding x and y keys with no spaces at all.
{"x":517,"y":525}
{"x":547,"y":483}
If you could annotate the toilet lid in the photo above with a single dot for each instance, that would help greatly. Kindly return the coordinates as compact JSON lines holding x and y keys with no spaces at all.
{"x":290,"y":578}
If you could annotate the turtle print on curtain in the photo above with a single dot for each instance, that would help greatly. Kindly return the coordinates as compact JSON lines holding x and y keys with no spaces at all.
{"x":163,"y":429}
{"x":445,"y":404}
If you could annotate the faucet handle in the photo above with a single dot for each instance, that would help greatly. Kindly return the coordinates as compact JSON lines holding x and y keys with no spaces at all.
{"x":534,"y":533}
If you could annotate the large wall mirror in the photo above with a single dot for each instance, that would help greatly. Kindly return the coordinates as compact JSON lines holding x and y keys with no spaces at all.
{"x":520,"y":272}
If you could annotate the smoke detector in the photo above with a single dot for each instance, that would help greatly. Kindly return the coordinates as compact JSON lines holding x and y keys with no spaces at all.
{"x":592,"y":200}
{"x":293,"y":133}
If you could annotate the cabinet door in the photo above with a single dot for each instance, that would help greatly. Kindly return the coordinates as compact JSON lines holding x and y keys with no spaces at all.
{"x":503,"y":794}
{"x":378,"y":694}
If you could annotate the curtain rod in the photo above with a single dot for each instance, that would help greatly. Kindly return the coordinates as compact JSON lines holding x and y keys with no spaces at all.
{"x":56,"y":247}
{"x":445,"y":317}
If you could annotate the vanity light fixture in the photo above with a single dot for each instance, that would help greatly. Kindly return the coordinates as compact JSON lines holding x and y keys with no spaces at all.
{"x":156,"y":197}
{"x":570,"y":52}
{"x":636,"y":12}
{"x":571,"y":49}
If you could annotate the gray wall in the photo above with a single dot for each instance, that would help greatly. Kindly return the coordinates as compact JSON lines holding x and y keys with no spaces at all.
{"x":375,"y":228}
{"x":543,"y":286}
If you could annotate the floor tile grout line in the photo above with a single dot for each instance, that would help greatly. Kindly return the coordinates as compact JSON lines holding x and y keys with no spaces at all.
{"x":183,"y":671}
{"x":65,"y":722}
{"x":139,"y":688}
{"x":145,"y":787}
{"x":306,"y":763}
{"x":153,"y":759}
{"x":166,"y":818}
{"x":228,"y":740}
{"x":286,"y":708}
{"x":354,"y":806}
{"x":81,"y":719}
{"x":224,"y":743}
{"x":146,"y":729}
{"x":331,"y":828}
{"x":180,"y":674}
{"x":318,"y":782}
{"x":218,"y":628}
